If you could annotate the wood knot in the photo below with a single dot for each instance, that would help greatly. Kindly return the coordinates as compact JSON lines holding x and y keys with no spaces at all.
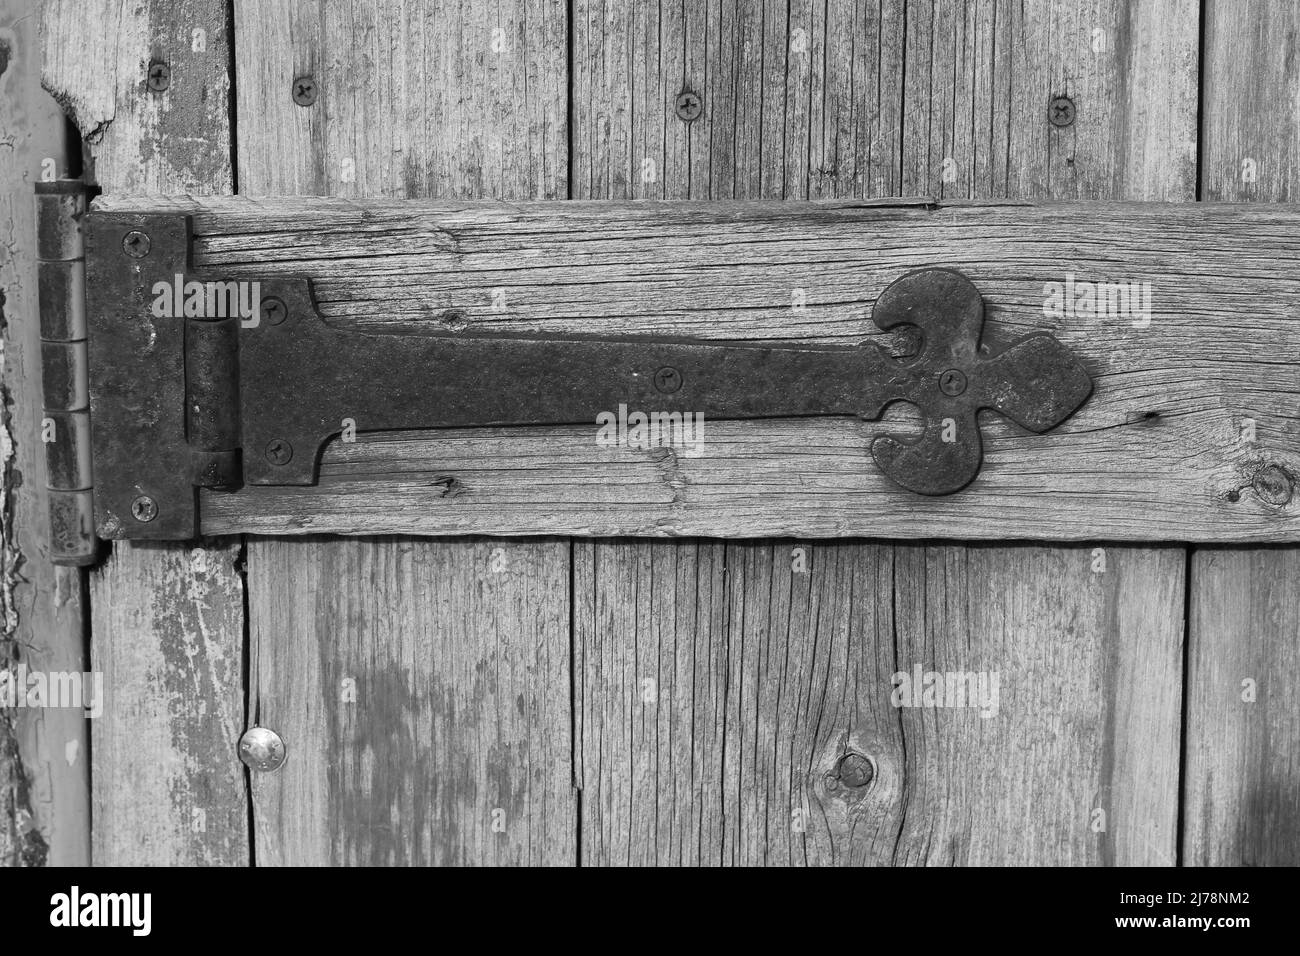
{"x":853,"y":772}
{"x":1273,"y":485}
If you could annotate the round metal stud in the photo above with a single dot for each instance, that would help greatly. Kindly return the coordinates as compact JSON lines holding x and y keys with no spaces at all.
{"x":261,"y":749}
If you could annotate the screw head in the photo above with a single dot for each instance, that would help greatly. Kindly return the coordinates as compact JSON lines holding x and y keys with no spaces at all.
{"x":855,"y":770}
{"x":144,"y":509}
{"x":304,"y":90}
{"x":278,"y":451}
{"x":668,"y":380}
{"x":952,"y":382}
{"x":135,"y":244}
{"x":274,"y":310}
{"x":159,"y":76}
{"x":688,"y":105}
{"x":262,"y":749}
{"x":1060,"y":111}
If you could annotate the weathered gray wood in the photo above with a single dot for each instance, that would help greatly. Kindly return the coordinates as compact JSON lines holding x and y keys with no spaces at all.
{"x":1153,"y":455}
{"x":1241,"y":782}
{"x":44,"y":758}
{"x":719,"y":686}
{"x":166,"y":621}
{"x":456,"y":747}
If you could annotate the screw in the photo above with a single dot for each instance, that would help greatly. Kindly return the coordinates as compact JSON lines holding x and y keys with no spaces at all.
{"x":278,"y":451}
{"x":907,"y":342}
{"x":1273,"y":485}
{"x":274,"y":310}
{"x":952,"y":382}
{"x":689,"y":106}
{"x":144,"y":509}
{"x":855,"y":770}
{"x":135,"y":244}
{"x":304,"y":91}
{"x":1060,"y":112}
{"x":668,"y":380}
{"x":159,"y":76}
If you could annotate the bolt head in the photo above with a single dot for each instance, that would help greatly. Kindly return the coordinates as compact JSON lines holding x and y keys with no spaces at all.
{"x":688,"y":105}
{"x":262,"y":749}
{"x":952,"y":382}
{"x":158,"y":77}
{"x":304,"y":90}
{"x":274,"y":311}
{"x":136,"y":244}
{"x":1060,"y":111}
{"x":668,"y":380}
{"x":144,"y":509}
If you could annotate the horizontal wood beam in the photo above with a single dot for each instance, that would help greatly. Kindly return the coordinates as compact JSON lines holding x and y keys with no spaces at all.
{"x":1193,"y":431}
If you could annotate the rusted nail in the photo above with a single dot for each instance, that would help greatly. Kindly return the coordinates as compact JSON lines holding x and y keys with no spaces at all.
{"x":135,"y":244}
{"x":159,"y":76}
{"x":1060,"y":112}
{"x":689,"y":106}
{"x":668,"y":380}
{"x":952,"y":382}
{"x":274,"y":310}
{"x":1273,"y":485}
{"x":279,"y":451}
{"x":144,"y":509}
{"x":855,"y":770}
{"x":304,"y":90}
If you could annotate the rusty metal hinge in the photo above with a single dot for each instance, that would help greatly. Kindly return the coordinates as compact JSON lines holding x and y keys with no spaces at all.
{"x":196,"y":382}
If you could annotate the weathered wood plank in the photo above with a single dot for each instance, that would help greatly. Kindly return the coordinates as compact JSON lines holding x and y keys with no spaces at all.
{"x":166,"y":622}
{"x":44,"y":757}
{"x":422,"y":686}
{"x":1240,"y":780}
{"x":1153,"y":455}
{"x":721,"y":685}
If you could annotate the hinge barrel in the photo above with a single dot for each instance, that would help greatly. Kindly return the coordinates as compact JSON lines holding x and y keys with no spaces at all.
{"x":65,"y":428}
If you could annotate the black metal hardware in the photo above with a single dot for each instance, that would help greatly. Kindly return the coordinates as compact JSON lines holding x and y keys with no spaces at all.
{"x":217,"y":399}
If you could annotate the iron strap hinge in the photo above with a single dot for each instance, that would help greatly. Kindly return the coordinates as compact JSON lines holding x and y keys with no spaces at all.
{"x":163,"y":382}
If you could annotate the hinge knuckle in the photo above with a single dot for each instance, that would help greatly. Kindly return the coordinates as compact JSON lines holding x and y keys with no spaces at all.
{"x":65,"y":428}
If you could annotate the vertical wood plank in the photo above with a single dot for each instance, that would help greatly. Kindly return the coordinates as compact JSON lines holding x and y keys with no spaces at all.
{"x":44,"y":757}
{"x":719,"y":689}
{"x":422,"y":686}
{"x":166,"y":621}
{"x":1242,"y":784}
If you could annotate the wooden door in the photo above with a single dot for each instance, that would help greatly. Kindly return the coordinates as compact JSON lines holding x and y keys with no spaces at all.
{"x":639,"y":694}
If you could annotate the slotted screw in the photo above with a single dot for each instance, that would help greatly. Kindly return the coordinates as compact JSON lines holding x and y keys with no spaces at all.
{"x":952,"y":382}
{"x":274,"y":310}
{"x":668,"y":380}
{"x":144,"y":509}
{"x":135,"y":244}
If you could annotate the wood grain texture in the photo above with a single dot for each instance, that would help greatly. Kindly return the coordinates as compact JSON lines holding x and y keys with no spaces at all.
{"x":44,"y":757}
{"x":980,"y":76}
{"x":457,"y":745}
{"x":422,"y":689}
{"x":721,"y":687}
{"x":166,"y":622}
{"x":1155,"y":453}
{"x":1241,"y":776}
